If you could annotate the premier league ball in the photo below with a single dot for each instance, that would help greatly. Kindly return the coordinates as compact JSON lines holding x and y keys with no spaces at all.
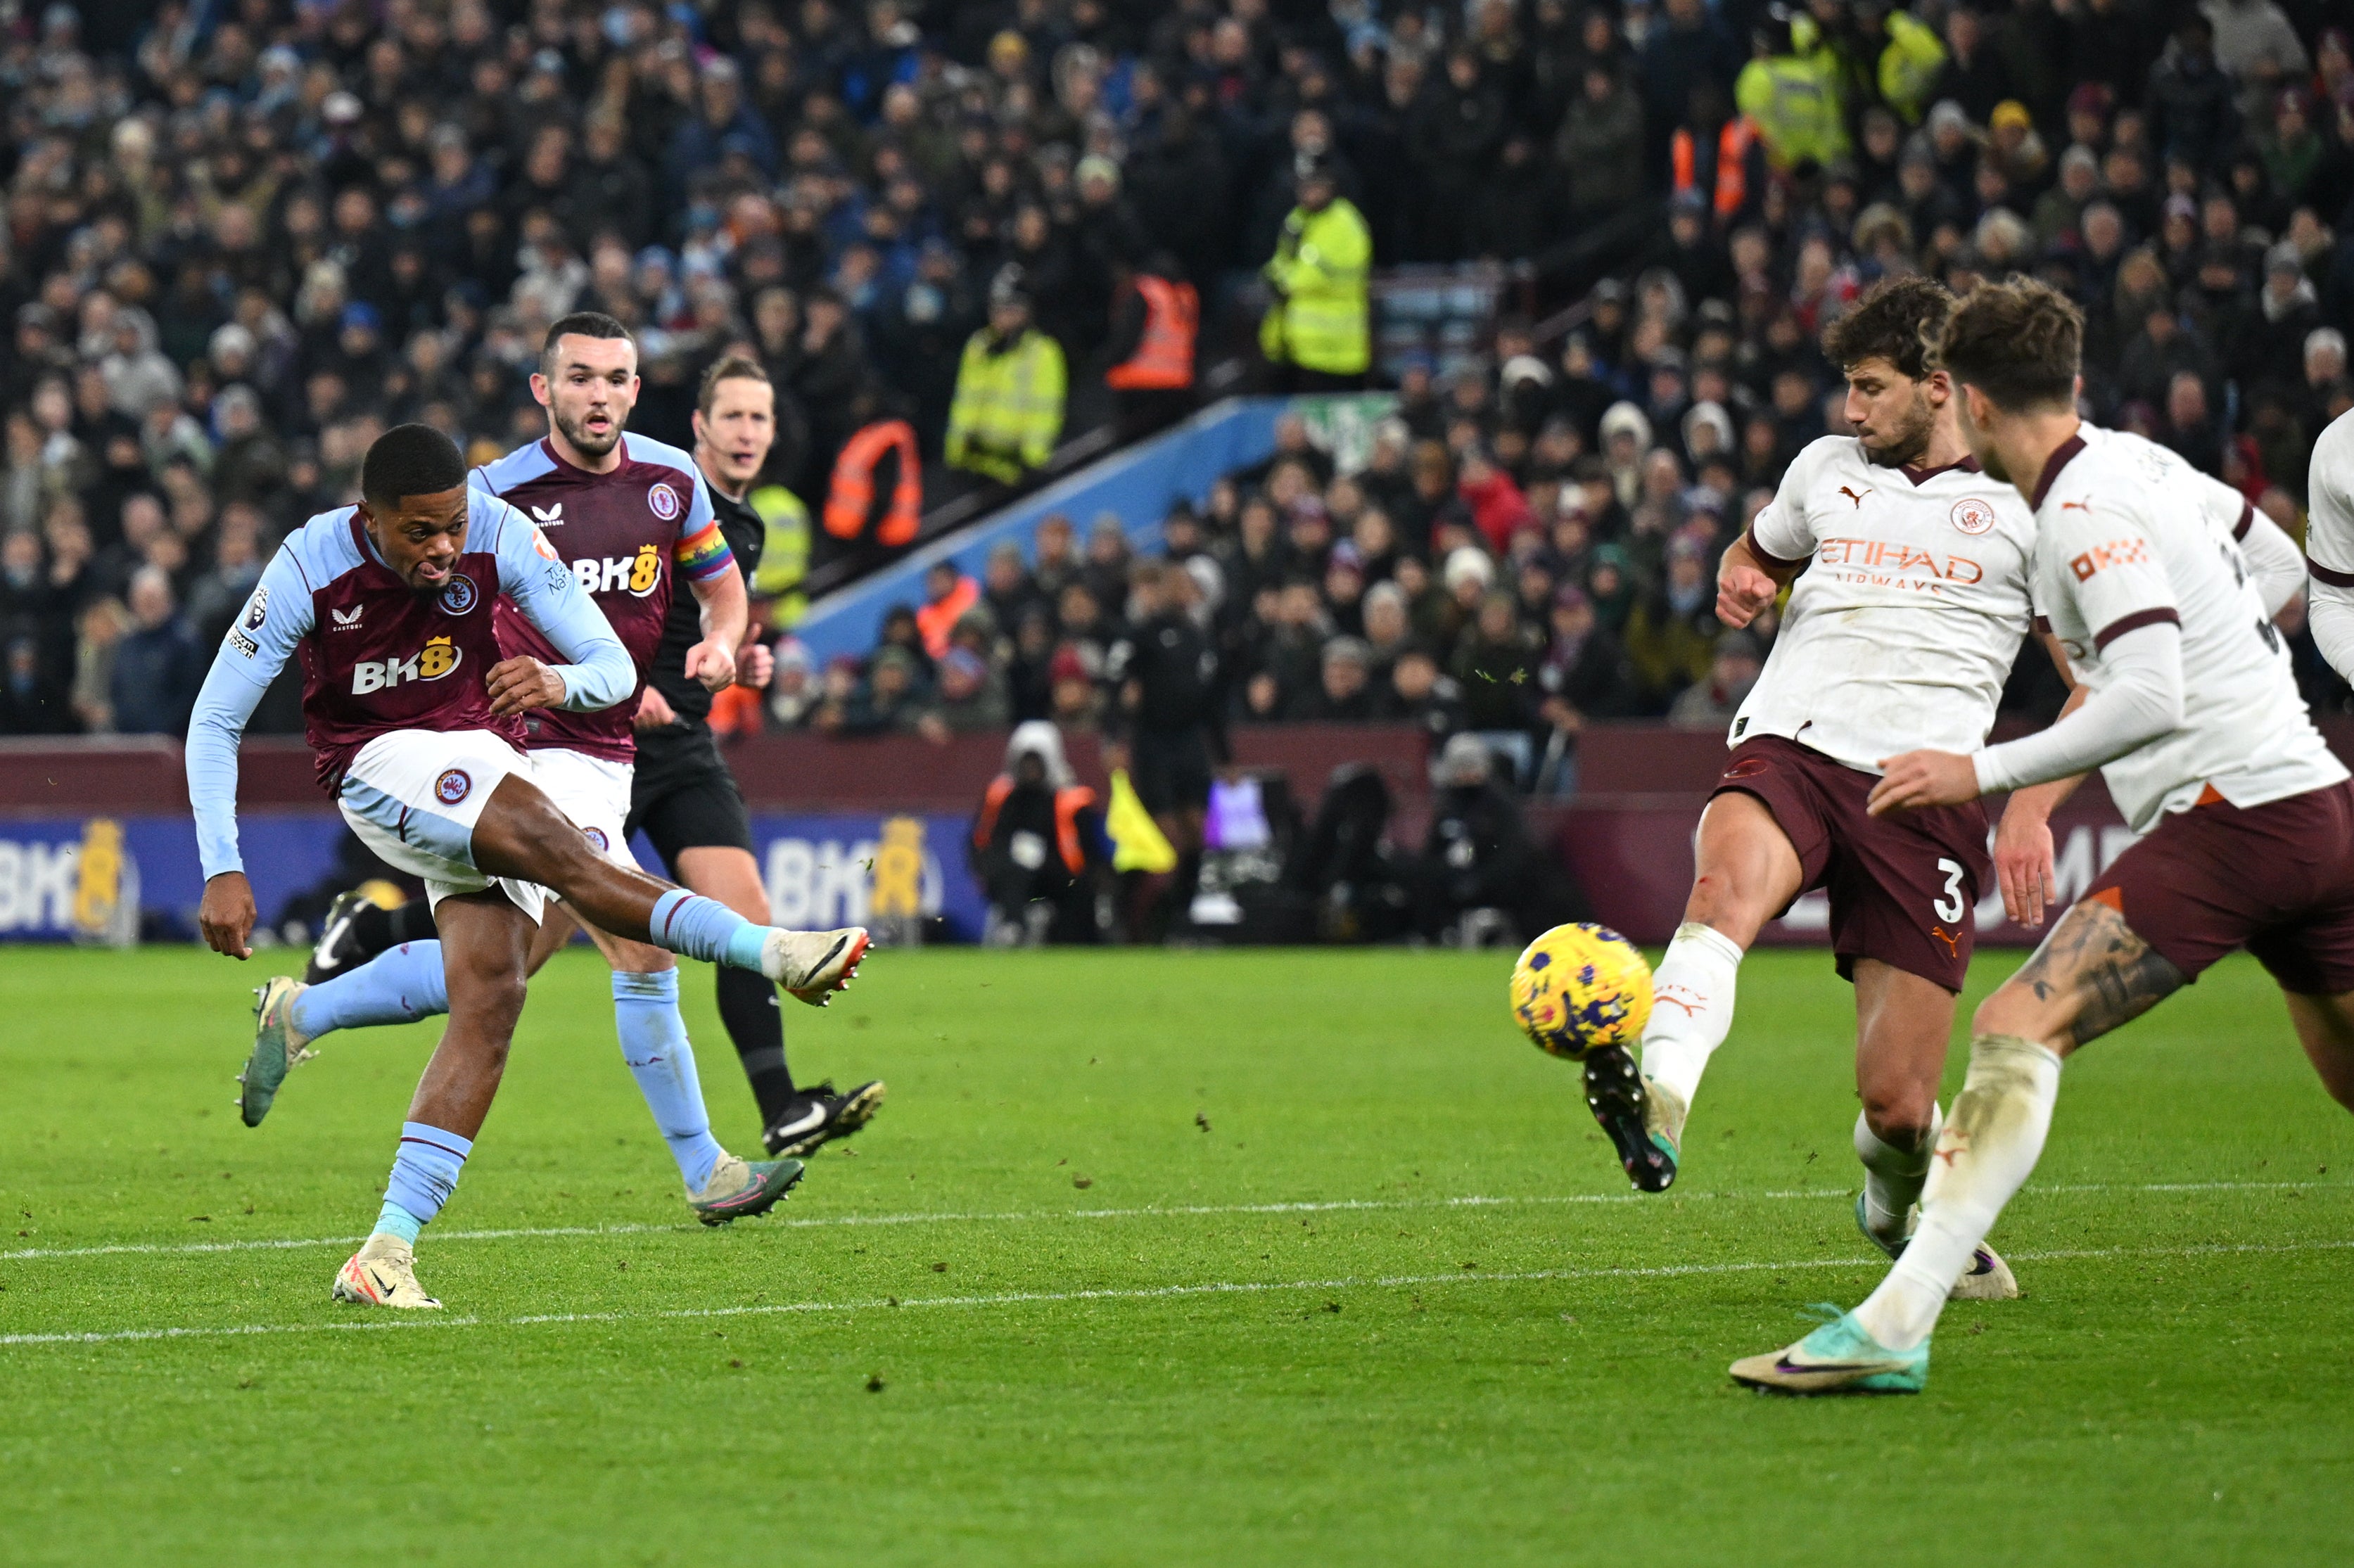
{"x":1580,"y":988}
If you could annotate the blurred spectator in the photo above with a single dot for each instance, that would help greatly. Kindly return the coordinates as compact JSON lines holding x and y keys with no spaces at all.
{"x":1712,"y":702}
{"x":157,"y":667}
{"x":1479,"y":857}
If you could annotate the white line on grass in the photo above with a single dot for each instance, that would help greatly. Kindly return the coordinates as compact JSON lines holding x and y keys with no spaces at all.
{"x":1146,"y":1212}
{"x":1142,"y":1293}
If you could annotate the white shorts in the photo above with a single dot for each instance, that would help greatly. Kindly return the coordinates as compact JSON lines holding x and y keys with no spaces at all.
{"x":594,"y":793}
{"x":413,"y":796}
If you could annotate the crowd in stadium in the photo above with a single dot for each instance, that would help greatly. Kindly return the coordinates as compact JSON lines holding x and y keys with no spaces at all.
{"x":245,"y":236}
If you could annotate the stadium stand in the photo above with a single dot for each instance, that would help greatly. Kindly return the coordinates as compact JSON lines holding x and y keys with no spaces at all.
{"x":244,"y":236}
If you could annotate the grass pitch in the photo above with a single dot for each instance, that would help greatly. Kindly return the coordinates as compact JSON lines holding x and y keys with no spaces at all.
{"x":1151,"y":1258}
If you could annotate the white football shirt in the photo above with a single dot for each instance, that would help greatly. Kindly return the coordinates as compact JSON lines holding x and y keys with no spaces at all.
{"x":1900,"y":631}
{"x":2114,"y":552}
{"x":2330,"y":543}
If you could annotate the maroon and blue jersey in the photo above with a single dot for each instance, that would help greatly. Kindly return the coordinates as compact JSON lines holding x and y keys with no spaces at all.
{"x":379,"y":655}
{"x":627,"y":535}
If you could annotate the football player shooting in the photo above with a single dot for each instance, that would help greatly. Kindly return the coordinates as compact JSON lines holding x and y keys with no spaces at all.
{"x":683,"y":795}
{"x":416,"y":719}
{"x":636,"y":509}
{"x":2184,"y":699}
{"x":1910,"y":611}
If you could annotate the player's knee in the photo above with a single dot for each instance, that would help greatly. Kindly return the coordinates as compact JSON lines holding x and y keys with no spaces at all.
{"x":1900,"y":1117}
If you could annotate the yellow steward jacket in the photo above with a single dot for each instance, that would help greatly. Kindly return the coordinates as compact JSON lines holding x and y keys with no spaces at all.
{"x":1319,"y":320}
{"x":1009,"y":404}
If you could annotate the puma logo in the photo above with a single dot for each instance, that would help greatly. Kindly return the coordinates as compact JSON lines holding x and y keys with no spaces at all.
{"x":1853,"y":496}
{"x":1952,"y":944}
{"x":2075,"y":506}
{"x":1691,"y":1008}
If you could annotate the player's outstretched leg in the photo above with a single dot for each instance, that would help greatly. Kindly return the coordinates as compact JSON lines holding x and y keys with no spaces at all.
{"x":719,"y":1186}
{"x":487,"y":939}
{"x":401,"y":985}
{"x":521,"y":834}
{"x":1745,"y":870}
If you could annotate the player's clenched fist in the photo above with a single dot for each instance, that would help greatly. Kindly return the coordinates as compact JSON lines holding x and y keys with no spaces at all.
{"x":225,"y":916}
{"x":713,"y":663}
{"x":521,"y":683}
{"x":1741,"y":591}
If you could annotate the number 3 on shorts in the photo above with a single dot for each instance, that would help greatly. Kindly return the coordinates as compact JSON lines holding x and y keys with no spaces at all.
{"x":1950,"y":907}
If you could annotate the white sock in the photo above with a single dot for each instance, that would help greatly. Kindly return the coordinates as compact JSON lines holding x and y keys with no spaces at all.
{"x":1892,"y":1177}
{"x":1691,"y":1007}
{"x":1984,"y":1155}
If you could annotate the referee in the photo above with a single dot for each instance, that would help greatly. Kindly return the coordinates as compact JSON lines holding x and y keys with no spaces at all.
{"x":687,"y":801}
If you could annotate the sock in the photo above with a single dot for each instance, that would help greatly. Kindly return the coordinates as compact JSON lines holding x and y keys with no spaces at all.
{"x":396,"y":1221}
{"x":400,"y":985}
{"x":748,"y":1006}
{"x":1893,"y":1176}
{"x":1988,"y":1146}
{"x":706,"y":929}
{"x":424,"y":1174}
{"x":654,"y":1044}
{"x":1691,"y":1007}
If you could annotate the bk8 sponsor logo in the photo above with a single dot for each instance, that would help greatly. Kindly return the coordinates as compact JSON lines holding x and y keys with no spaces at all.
{"x":435,"y":659}
{"x":635,"y":575}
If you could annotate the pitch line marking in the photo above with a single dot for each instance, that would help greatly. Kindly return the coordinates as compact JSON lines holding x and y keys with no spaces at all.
{"x":112,"y":1249}
{"x":1139,"y":1293}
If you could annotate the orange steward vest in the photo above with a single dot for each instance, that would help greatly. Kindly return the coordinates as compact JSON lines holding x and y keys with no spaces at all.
{"x":850,"y":496}
{"x":1069,"y":803}
{"x":1163,"y":360}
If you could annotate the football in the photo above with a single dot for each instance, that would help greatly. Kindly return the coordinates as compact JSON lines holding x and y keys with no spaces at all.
{"x":1580,"y":988}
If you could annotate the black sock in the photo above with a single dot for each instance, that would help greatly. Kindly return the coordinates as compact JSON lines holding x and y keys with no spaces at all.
{"x":371,"y":932}
{"x":413,"y":922}
{"x":749,"y":1007}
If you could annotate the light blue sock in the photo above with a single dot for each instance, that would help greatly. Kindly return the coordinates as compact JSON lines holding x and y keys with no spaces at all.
{"x":654,"y":1044}
{"x":400,"y":985}
{"x":396,"y":1221}
{"x":424,"y":1174}
{"x":706,"y":929}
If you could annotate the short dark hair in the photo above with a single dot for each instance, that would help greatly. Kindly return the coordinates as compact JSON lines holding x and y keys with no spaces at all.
{"x":580,"y":323}
{"x":1898,"y":319}
{"x":729,"y":367}
{"x":2019,"y":342}
{"x":410,"y":460}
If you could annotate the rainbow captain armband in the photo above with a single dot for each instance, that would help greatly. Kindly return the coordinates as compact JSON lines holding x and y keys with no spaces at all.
{"x":704,"y":555}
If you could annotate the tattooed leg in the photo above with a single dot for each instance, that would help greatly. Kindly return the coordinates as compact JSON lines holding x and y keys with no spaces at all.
{"x":2091,"y":975}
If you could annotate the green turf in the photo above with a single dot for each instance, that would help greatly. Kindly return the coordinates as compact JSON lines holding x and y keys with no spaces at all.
{"x":1386,"y":1391}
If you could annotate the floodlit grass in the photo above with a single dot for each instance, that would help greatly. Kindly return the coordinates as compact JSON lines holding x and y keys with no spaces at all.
{"x":1151,"y":1258}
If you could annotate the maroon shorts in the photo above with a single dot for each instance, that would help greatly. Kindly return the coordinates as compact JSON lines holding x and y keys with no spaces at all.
{"x":2276,"y":879}
{"x":1903,"y":888}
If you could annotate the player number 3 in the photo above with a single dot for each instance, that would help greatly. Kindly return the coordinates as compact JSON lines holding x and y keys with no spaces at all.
{"x":1950,"y":907}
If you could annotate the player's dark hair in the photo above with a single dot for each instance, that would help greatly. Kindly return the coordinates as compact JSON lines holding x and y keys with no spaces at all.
{"x":410,"y":460}
{"x":1898,"y":320}
{"x":580,"y":323}
{"x":729,"y":367}
{"x":2019,"y":342}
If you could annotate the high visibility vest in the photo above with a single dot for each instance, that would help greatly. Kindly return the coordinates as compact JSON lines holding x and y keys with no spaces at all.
{"x":1319,"y":321}
{"x":1795,"y":106}
{"x":1163,"y":360}
{"x":1069,"y":803}
{"x":1909,"y":65}
{"x":1008,"y":408}
{"x":937,"y":619}
{"x":850,"y":496}
{"x":1732,"y":185}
